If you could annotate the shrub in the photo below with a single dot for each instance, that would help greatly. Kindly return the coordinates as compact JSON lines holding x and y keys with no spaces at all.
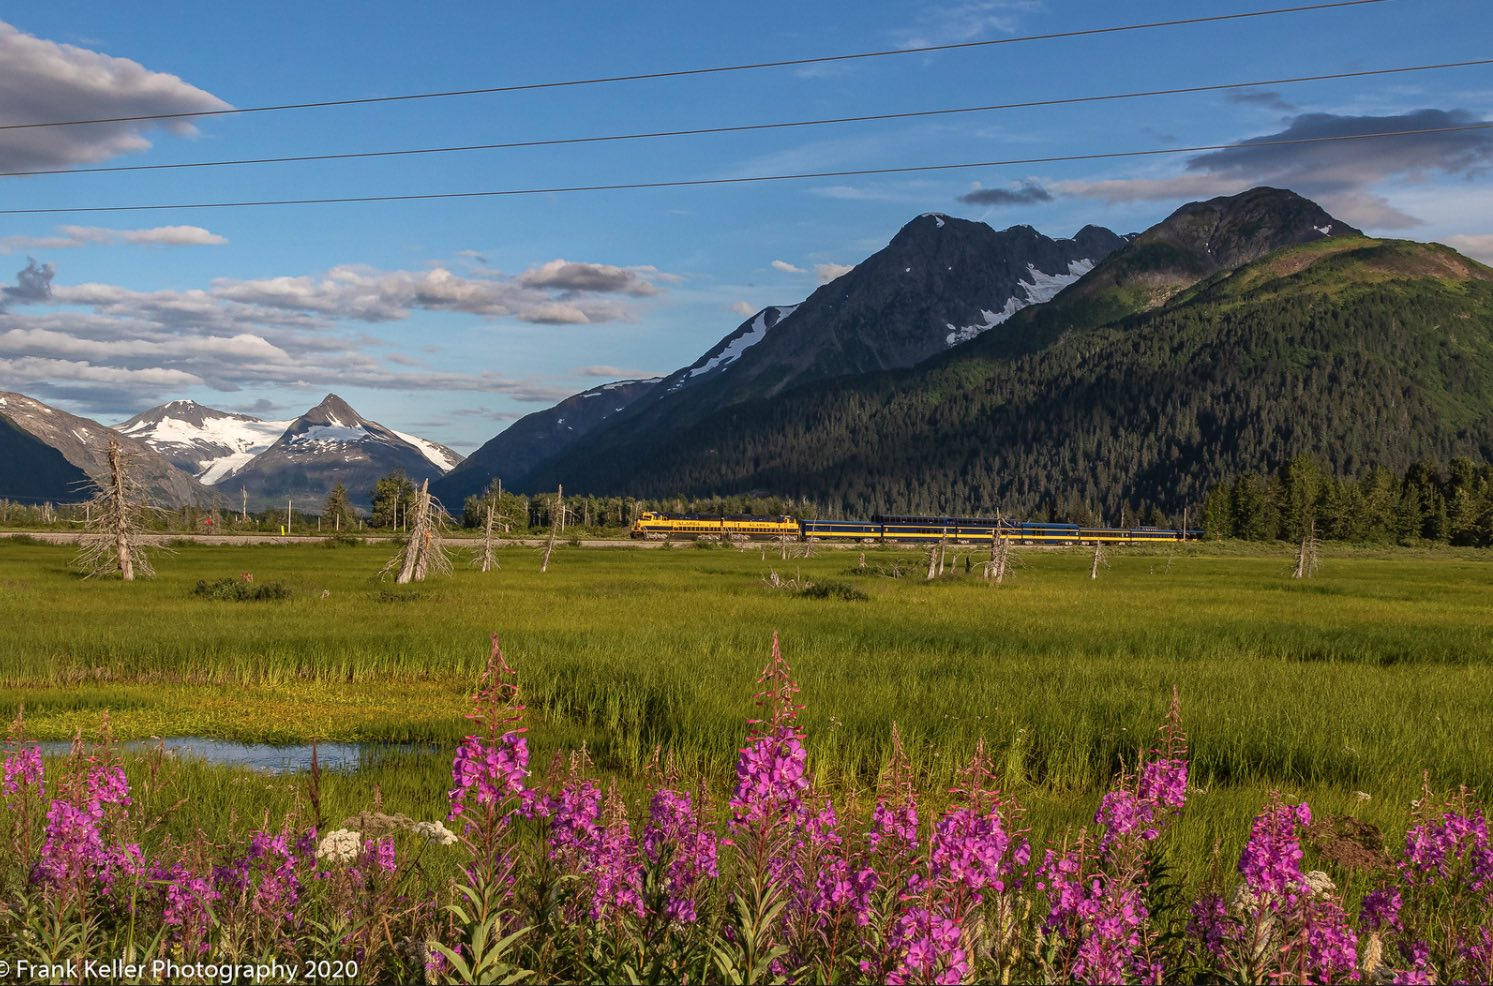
{"x":241,"y":590}
{"x":833,"y":590}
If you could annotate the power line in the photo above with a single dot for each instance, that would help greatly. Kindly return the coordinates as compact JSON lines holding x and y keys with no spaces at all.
{"x":714,"y":70}
{"x":697,"y":182}
{"x":743,"y":128}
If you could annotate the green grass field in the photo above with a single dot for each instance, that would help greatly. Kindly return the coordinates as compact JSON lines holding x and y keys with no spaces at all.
{"x":1358,"y":680}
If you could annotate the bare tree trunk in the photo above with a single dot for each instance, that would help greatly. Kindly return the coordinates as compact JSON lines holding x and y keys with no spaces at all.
{"x":556,"y":522}
{"x":1306,"y":555}
{"x":111,"y":541}
{"x":422,"y":551}
{"x":1098,"y":559}
{"x":121,"y":518}
{"x":932,"y":562}
{"x":943,"y":549}
{"x":489,"y":559}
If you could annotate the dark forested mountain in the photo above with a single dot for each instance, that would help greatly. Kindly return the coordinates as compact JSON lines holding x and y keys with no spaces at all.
{"x":1232,"y":336}
{"x":33,"y":471}
{"x":331,"y":444}
{"x":536,"y":437}
{"x":82,"y":445}
{"x":940,"y":282}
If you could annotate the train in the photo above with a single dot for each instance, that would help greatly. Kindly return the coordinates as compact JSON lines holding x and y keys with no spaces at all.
{"x":881,"y":529}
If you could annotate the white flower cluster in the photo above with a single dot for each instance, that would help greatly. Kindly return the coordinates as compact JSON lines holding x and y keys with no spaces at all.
{"x":340,"y":846}
{"x":435,"y":832}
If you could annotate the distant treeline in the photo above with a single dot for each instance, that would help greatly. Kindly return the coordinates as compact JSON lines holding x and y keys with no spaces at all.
{"x":1453,"y":505}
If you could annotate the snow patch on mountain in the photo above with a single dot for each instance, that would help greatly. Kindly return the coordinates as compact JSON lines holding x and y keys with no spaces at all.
{"x":217,"y":443}
{"x":735,"y":347}
{"x":1041,"y":287}
{"x":441,"y":457}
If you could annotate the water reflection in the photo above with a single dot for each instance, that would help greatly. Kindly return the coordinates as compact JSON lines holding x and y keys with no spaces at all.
{"x":265,"y":757}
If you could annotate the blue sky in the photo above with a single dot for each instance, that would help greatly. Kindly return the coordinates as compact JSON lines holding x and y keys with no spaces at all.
{"x":451,"y":318}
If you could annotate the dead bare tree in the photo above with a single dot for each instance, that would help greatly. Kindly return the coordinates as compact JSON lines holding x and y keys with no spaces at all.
{"x":1099,"y":559}
{"x":1306,"y":555}
{"x":932,"y":562}
{"x":1000,"y":553}
{"x":422,"y":551}
{"x":489,"y":555}
{"x":557,"y":524}
{"x":111,"y":538}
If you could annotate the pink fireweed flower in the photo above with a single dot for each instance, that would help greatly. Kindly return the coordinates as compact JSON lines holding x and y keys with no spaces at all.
{"x":1163,"y":783}
{"x":770,"y":779}
{"x":381,"y":853}
{"x":107,"y":785}
{"x":971,"y":847}
{"x":487,"y":775}
{"x":575,"y":822}
{"x":895,"y":827}
{"x":73,"y":846}
{"x":22,"y":769}
{"x":1271,"y":861}
{"x":926,"y":948}
{"x":1123,"y":813}
{"x":841,"y":887}
{"x":674,"y":833}
{"x":615,"y":870}
{"x":186,"y":904}
{"x":1454,"y":846}
{"x":1331,"y":946}
{"x":265,"y":876}
{"x":1381,"y":909}
{"x":1102,"y":914}
{"x":1211,"y":925}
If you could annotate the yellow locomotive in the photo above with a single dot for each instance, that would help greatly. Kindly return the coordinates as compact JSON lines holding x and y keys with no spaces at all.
{"x":660,"y":527}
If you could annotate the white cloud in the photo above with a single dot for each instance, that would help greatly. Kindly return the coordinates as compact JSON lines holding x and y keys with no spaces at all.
{"x":559,"y":292}
{"x":1344,"y":175}
{"x":1478,"y":246}
{"x":786,"y":267}
{"x":564,"y":275}
{"x":828,"y":272}
{"x":71,"y":237}
{"x":743,"y":308}
{"x":30,"y":370}
{"x":614,"y":372}
{"x":969,"y":21}
{"x":291,"y":331}
{"x":46,"y":81}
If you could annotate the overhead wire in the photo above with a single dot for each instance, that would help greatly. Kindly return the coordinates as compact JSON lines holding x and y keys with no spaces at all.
{"x":711,"y":70}
{"x":749,"y":127}
{"x":742,"y":180}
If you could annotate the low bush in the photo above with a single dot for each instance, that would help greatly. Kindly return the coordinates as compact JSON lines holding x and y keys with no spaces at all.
{"x":833,"y":590}
{"x":241,"y":589}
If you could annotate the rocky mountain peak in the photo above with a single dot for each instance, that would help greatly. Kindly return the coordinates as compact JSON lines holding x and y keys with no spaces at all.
{"x":1233,"y":230}
{"x":333,"y":410}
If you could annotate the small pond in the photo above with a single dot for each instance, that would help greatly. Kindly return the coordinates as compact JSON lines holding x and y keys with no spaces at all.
{"x":271,"y":759}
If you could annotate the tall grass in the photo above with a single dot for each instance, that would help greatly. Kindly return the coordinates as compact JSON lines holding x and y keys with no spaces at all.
{"x":1357,"y":680}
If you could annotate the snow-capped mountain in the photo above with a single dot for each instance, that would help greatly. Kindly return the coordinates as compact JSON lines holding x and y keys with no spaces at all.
{"x":48,"y":454}
{"x":331,"y":444}
{"x":728,"y":350}
{"x":209,"y":444}
{"x":940,"y":282}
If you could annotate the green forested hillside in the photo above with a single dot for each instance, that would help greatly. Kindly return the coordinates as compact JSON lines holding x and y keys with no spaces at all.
{"x":1355,"y":351}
